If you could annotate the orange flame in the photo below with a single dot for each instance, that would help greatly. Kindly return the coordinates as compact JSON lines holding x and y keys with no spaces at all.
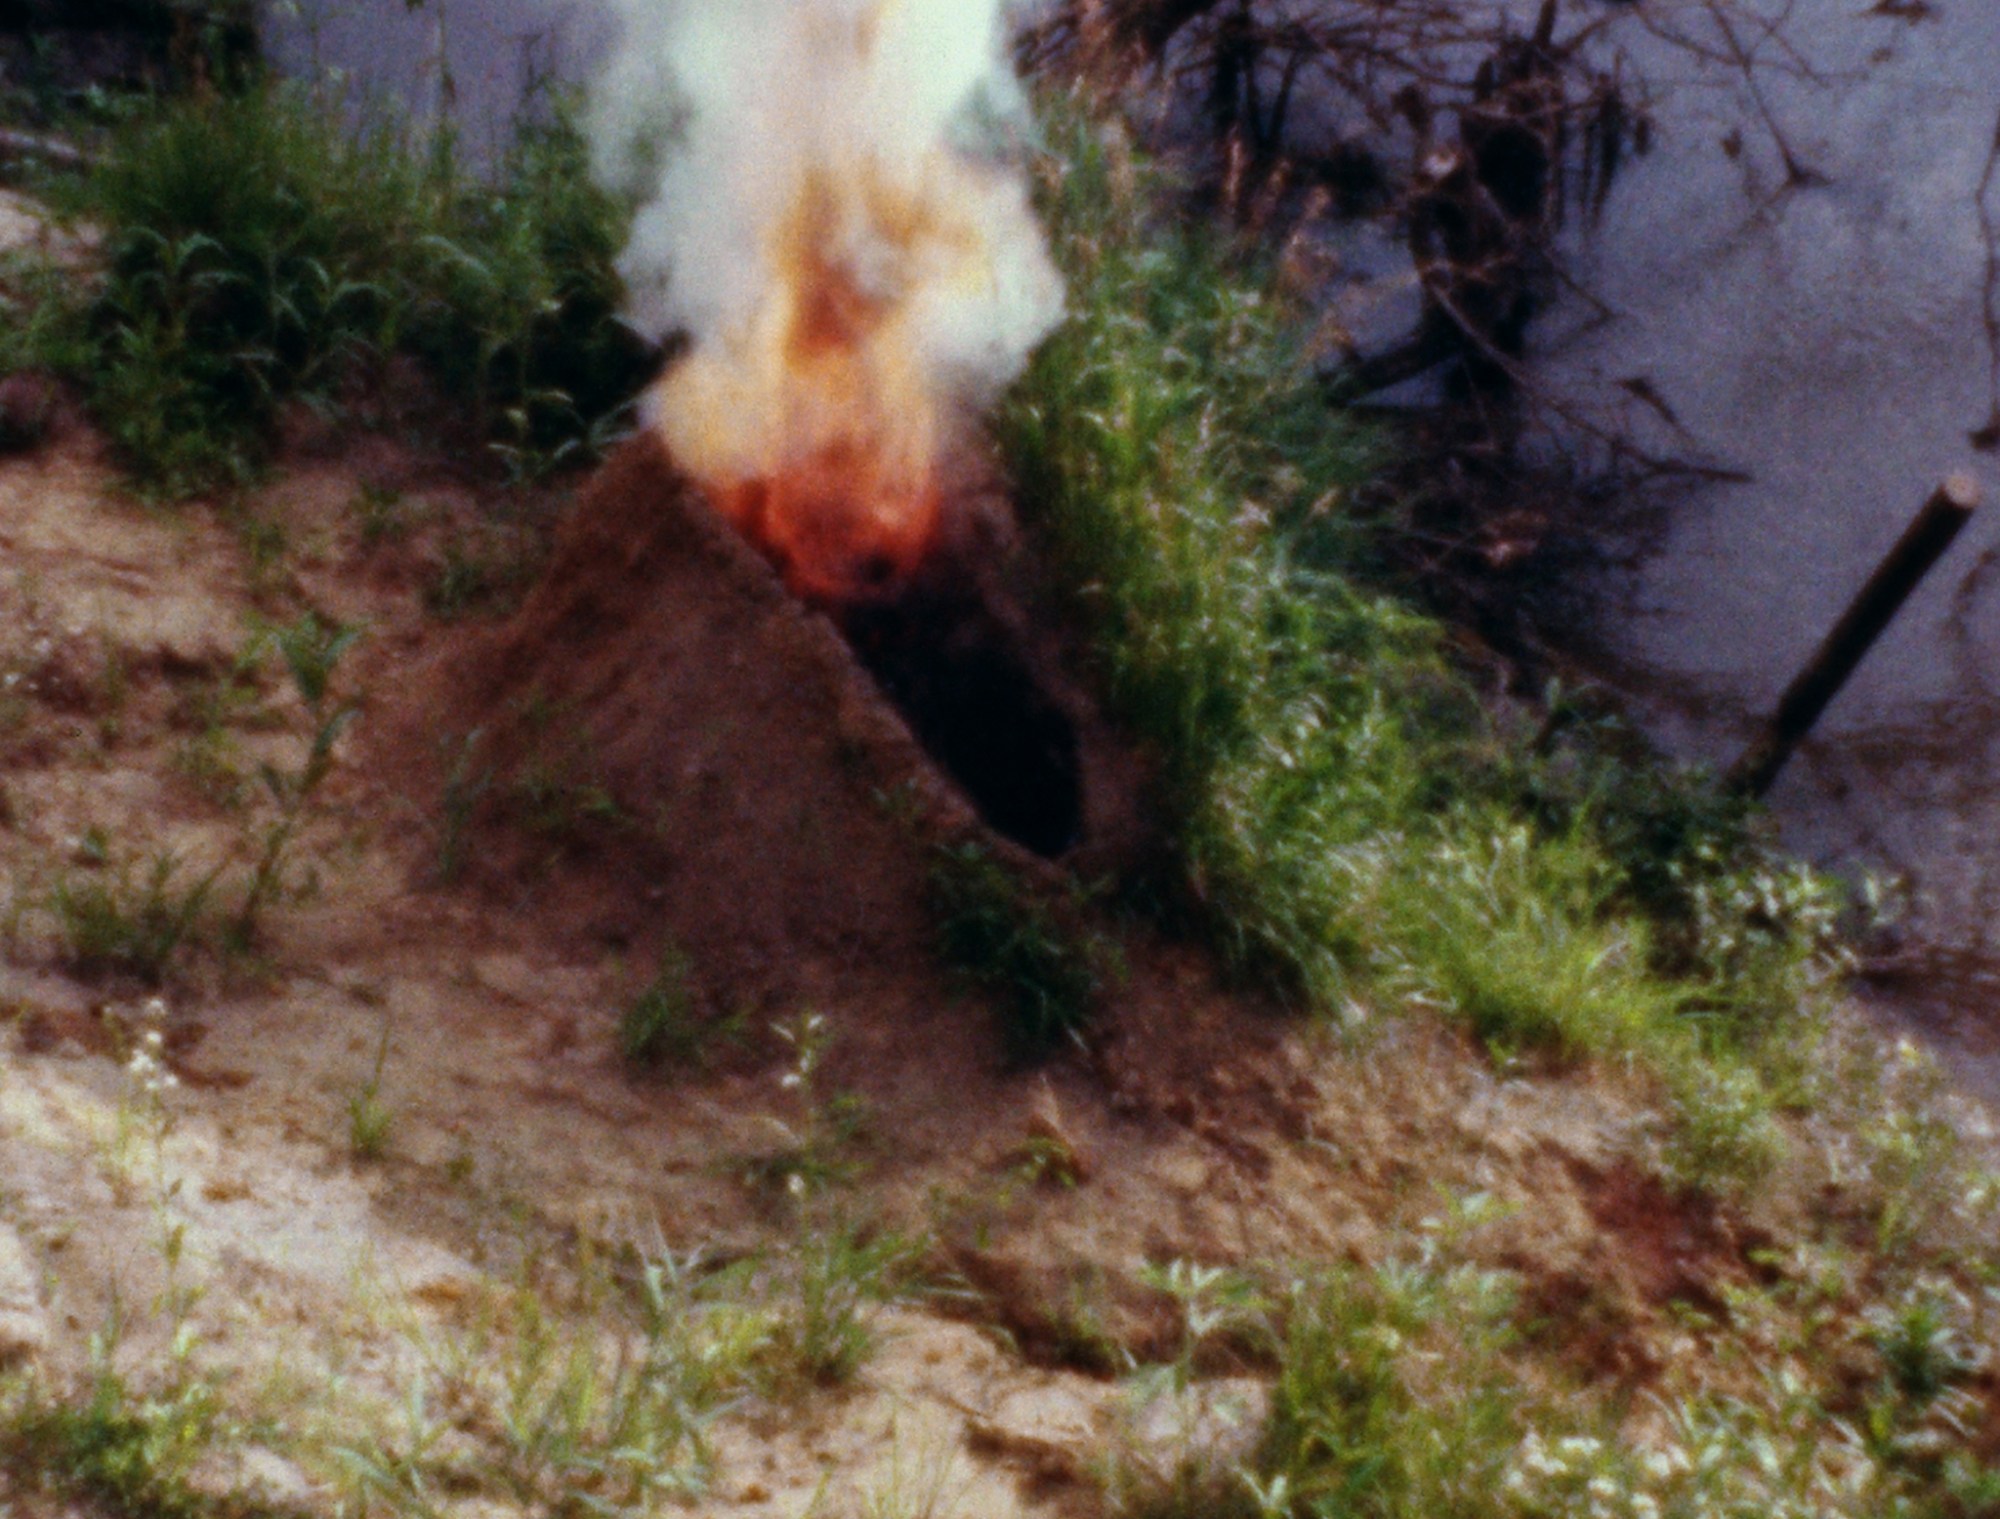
{"x":820,"y":429}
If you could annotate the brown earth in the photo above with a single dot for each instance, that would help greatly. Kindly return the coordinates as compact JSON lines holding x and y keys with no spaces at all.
{"x":659,"y":748}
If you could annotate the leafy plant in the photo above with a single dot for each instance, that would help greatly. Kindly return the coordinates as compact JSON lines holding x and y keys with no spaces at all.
{"x":815,"y":1143}
{"x":311,"y":650}
{"x":135,"y":1449}
{"x":261,"y":251}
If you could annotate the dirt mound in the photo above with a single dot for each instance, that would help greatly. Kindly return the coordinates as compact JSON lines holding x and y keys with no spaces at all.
{"x":690,"y":751}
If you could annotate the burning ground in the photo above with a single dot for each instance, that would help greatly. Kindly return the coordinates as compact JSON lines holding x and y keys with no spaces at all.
{"x":522,"y":999}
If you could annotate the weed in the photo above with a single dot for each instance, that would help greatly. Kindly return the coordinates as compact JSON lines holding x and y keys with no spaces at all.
{"x":134,"y":1452}
{"x":597,"y":1405}
{"x":208,"y":712}
{"x":1912,"y":1152}
{"x":132,"y":1445}
{"x":921,"y":1488}
{"x":142,"y":1113}
{"x":1345,"y":823}
{"x":1367,"y":1415}
{"x":1003,"y":935}
{"x":311,"y":650}
{"x":265,"y":543}
{"x":560,"y":805}
{"x":259,"y":252}
{"x":465,"y":788}
{"x":1726,"y":1135}
{"x":111,"y":690}
{"x":369,"y":1118}
{"x":1171,"y":1460}
{"x":815,"y":1145}
{"x":829,"y":1283}
{"x":556,"y":785}
{"x":1922,"y":1341}
{"x":665,"y":1024}
{"x":463,"y":583}
{"x":111,"y":923}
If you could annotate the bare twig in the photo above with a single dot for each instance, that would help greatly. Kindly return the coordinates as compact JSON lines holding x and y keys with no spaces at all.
{"x":1986,"y":437}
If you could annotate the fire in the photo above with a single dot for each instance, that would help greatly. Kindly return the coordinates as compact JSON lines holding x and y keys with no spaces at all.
{"x":856,"y":265}
{"x":819,"y":427}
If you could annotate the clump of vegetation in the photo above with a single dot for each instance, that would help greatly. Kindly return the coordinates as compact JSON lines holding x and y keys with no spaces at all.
{"x":664,"y":1024}
{"x":1406,"y":1389}
{"x":1347,"y":821}
{"x":132,"y":1451}
{"x":1006,"y":936}
{"x":113,"y":922}
{"x":258,"y":253}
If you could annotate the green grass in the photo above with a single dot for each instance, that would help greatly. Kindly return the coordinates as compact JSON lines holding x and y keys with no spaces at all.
{"x":132,"y":1453}
{"x":133,"y":1445}
{"x":1347,"y":822}
{"x":665,"y":1024}
{"x":1405,"y":1389}
{"x":1032,"y":951}
{"x":115,"y":922}
{"x":260,"y":253}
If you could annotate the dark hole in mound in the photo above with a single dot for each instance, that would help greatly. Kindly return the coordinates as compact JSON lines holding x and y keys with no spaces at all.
{"x":963,"y":684}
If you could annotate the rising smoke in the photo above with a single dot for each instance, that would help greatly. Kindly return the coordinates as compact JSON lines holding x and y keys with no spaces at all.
{"x":828,"y":211}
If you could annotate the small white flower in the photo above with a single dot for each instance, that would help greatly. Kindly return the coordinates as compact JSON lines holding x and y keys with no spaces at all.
{"x":1535,"y":1458}
{"x":1662,"y":1464}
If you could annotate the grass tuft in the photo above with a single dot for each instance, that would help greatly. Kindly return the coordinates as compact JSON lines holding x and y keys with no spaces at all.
{"x":1348,"y":823}
{"x":1004,"y":935}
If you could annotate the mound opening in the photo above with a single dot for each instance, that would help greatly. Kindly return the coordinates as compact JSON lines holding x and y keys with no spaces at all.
{"x":964,"y":683}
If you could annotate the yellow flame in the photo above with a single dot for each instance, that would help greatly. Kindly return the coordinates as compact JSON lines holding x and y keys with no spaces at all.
{"x":819,"y":425}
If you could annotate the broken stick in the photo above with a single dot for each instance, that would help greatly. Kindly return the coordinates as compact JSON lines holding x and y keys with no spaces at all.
{"x":1922,"y":544}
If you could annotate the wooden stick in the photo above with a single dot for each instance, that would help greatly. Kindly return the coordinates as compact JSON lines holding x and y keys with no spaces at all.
{"x":1922,"y":544}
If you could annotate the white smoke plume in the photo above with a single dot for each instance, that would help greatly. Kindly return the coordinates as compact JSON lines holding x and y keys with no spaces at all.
{"x":828,"y":210}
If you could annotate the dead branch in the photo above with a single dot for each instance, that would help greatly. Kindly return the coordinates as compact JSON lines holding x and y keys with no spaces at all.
{"x":1987,"y":436}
